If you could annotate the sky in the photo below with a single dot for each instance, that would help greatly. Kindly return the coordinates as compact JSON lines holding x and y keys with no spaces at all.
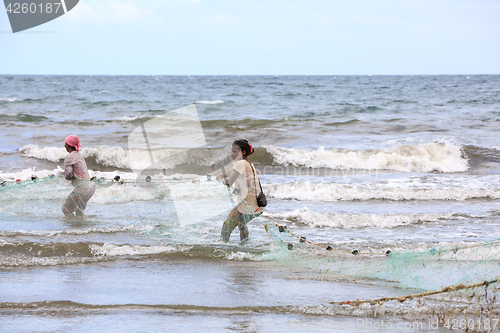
{"x":260,"y":37}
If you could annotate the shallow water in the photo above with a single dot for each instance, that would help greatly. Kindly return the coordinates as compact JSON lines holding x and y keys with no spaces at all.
{"x":373,"y":164}
{"x":168,"y":293}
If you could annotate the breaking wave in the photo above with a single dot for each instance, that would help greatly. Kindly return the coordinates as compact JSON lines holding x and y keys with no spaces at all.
{"x":348,"y":221}
{"x":441,"y":157}
{"x":417,"y":188}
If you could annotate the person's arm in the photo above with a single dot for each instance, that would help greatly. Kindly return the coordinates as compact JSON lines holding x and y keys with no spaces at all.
{"x":68,"y":172}
{"x":225,"y":175}
{"x":232,"y":177}
{"x":238,"y":169}
{"x":68,"y":167}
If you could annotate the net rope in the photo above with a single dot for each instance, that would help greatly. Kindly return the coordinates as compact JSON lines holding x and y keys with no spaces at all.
{"x":452,"y":281}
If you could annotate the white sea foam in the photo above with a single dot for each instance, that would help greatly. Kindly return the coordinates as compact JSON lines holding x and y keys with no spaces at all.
{"x":125,"y":250}
{"x":130,"y":118}
{"x":108,"y":156}
{"x":15,"y":261}
{"x":127,"y":176}
{"x":27,"y":174}
{"x":9,"y":99}
{"x":274,"y":129}
{"x":167,"y":158}
{"x":97,"y":230}
{"x":348,"y":221}
{"x":442,"y":156}
{"x":240,"y":256}
{"x":104,"y":155}
{"x":413,"y":188}
{"x":199,"y":191}
{"x":193,"y":191}
{"x":134,"y":118}
{"x":210,"y":102}
{"x":53,"y":154}
{"x":120,"y":194}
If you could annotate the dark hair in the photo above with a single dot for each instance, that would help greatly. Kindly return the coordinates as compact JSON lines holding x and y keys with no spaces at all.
{"x":244,"y":146}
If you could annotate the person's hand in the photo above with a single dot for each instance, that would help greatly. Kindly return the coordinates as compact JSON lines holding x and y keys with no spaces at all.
{"x":219,"y":177}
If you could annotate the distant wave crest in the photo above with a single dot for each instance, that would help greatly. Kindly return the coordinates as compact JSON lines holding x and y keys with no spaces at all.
{"x":435,"y":156}
{"x":210,"y":102}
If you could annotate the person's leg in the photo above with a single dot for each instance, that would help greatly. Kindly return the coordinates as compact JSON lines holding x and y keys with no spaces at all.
{"x":70,"y":206}
{"x":244,"y":219}
{"x":242,"y":225}
{"x":80,"y":205}
{"x":85,"y":191}
{"x":230,"y":224}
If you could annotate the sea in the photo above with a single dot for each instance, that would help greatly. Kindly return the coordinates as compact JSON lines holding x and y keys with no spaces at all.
{"x":378,"y":187}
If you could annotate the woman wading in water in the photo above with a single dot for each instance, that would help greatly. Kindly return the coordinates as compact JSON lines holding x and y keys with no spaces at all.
{"x":75,"y":169}
{"x":247,"y":185}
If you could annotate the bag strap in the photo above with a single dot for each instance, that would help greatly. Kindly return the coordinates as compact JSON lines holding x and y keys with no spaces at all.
{"x":254,"y":181}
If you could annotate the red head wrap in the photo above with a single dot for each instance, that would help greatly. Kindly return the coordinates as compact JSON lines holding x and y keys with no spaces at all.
{"x":73,"y":141}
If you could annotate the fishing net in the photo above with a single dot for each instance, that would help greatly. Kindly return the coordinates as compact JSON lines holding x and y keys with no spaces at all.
{"x":454,"y":284}
{"x":176,"y":203}
{"x":447,"y":282}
